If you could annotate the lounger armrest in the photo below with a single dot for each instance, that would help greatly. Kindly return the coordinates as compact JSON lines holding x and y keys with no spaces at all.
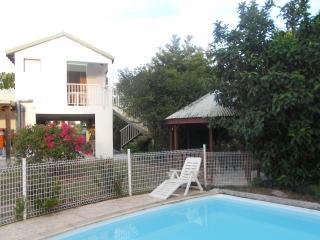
{"x":194,"y":174}
{"x":174,"y":173}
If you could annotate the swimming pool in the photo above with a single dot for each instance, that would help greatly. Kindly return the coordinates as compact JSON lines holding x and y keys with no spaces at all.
{"x":216,"y":217}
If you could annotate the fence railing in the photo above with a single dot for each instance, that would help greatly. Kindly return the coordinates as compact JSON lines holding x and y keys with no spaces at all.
{"x":86,"y":94}
{"x":53,"y":186}
{"x":128,"y":133}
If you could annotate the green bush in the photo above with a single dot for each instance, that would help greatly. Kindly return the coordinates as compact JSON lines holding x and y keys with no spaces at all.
{"x":141,"y":144}
{"x":39,"y":143}
{"x":44,"y":190}
{"x":19,"y":209}
{"x":314,"y":190}
{"x":117,"y":186}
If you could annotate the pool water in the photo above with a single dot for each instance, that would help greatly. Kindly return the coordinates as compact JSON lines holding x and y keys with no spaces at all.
{"x":215,"y":217}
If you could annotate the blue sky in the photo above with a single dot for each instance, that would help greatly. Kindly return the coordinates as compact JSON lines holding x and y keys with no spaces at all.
{"x":131,"y":30}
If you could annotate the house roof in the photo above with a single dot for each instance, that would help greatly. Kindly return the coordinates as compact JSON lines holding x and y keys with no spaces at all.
{"x":10,"y":53}
{"x":204,"y":107}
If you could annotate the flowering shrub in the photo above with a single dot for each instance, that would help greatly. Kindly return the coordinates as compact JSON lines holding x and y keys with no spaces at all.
{"x":49,"y":142}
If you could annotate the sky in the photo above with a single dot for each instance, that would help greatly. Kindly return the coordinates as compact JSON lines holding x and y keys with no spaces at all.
{"x":130,"y":30}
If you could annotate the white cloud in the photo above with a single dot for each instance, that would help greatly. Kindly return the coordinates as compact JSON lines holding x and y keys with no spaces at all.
{"x":130,"y":30}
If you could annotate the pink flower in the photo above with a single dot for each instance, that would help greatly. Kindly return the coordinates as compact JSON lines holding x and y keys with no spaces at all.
{"x":50,"y":144}
{"x":68,"y":138}
{"x":64,"y":126}
{"x":81,"y":139}
{"x":48,"y":138}
{"x":78,"y":148}
{"x":87,"y":152}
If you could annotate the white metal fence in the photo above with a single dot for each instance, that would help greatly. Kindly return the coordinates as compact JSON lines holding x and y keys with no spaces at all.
{"x":53,"y":186}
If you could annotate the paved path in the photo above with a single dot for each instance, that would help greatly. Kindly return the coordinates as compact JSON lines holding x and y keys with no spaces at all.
{"x":48,"y":225}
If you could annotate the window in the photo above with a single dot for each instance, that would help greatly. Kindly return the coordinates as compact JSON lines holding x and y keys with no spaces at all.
{"x":32,"y":65}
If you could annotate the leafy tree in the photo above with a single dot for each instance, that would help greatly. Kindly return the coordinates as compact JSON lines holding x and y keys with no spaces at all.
{"x":6,"y":80}
{"x":177,"y":75}
{"x":271,"y":77}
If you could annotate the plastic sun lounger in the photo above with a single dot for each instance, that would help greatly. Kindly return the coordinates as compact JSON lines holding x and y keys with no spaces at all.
{"x":188,"y":175}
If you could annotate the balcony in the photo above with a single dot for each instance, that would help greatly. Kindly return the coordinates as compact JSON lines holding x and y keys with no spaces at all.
{"x":86,"y":95}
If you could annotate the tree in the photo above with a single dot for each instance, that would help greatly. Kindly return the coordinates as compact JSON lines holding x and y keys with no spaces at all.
{"x":271,"y":77}
{"x":177,"y":75}
{"x":6,"y":80}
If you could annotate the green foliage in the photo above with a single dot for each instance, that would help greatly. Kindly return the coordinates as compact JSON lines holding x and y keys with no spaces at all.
{"x":40,"y":143}
{"x":141,"y":144}
{"x":178,"y":74}
{"x":314,"y":190}
{"x":7,"y":80}
{"x":118,"y":124}
{"x":118,"y":186}
{"x":45,"y":190}
{"x":29,"y":142}
{"x":19,"y":209}
{"x":271,"y":78}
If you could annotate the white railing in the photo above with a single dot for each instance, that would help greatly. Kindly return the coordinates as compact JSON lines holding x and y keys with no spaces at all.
{"x":128,"y":133}
{"x":86,"y":94}
{"x":116,"y":98}
{"x":120,"y":105}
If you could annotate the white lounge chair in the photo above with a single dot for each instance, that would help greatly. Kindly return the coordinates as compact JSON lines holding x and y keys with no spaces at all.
{"x":188,"y":174}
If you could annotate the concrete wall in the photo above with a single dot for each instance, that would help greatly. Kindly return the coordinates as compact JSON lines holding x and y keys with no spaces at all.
{"x":48,"y":88}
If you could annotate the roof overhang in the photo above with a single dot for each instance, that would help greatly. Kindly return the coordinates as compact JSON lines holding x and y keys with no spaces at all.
{"x":182,"y":121}
{"x":10,"y":53}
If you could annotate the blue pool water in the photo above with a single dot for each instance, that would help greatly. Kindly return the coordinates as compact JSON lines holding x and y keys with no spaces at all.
{"x":219,"y":217}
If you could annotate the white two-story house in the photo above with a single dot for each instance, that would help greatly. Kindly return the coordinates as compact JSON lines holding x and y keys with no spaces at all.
{"x":61,"y":77}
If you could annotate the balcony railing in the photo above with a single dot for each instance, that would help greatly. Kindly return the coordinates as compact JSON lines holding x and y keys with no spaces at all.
{"x":86,"y":94}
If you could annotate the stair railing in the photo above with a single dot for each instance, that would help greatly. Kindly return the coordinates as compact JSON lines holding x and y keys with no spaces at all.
{"x":128,"y":133}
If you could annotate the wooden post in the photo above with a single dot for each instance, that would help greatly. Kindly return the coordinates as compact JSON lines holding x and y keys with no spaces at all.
{"x":188,"y":136}
{"x":175,"y":137}
{"x":7,"y":110}
{"x":210,"y":140}
{"x":170,"y":137}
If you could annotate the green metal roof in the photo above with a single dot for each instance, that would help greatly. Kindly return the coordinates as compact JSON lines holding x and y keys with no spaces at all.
{"x":10,"y":53}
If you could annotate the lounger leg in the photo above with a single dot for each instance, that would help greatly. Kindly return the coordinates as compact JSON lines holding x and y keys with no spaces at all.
{"x":187,"y":188}
{"x":199,"y":185}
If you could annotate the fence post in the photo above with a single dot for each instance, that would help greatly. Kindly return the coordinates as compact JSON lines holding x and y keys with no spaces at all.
{"x":24,"y":187}
{"x":205,"y":166}
{"x":129,"y":172}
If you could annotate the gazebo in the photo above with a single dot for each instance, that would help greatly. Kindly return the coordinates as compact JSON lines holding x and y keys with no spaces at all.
{"x":194,"y":118}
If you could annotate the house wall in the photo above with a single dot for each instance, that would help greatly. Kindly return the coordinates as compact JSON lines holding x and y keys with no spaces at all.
{"x":48,"y":88}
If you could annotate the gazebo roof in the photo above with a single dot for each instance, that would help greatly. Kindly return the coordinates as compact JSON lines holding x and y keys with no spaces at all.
{"x":199,"y":111}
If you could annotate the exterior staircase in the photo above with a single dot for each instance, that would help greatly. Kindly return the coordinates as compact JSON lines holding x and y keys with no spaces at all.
{"x":134,"y":127}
